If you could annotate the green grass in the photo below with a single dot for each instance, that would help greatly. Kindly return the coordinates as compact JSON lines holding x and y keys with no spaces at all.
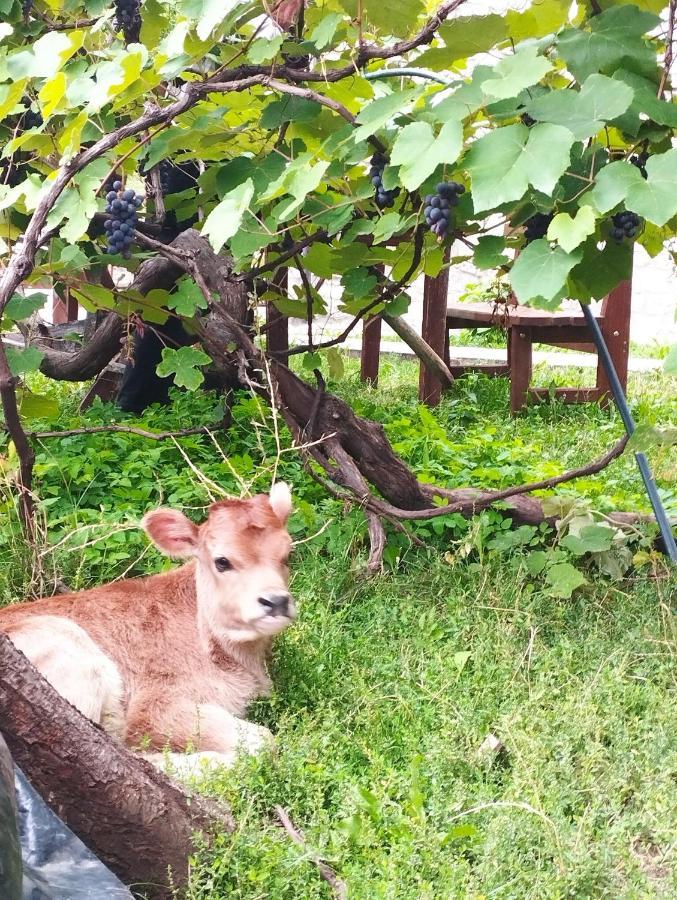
{"x":385,"y":689}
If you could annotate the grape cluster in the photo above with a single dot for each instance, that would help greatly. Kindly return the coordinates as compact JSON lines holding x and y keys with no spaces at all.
{"x":437,"y":207}
{"x":537,"y":226}
{"x":26,"y":7}
{"x":640,"y":160}
{"x":122,"y":208}
{"x":128,"y":19}
{"x":31,"y":119}
{"x":625,"y":224}
{"x":176,"y":178}
{"x":384,"y":198}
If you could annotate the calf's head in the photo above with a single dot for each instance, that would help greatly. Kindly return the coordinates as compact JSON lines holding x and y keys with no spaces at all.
{"x":241,"y":557}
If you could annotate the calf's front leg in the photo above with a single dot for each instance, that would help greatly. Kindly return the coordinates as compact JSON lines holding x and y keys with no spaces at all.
{"x":215,"y":734}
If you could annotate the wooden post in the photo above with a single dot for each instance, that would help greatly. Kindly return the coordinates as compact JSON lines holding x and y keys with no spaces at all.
{"x":519,"y":342}
{"x":277,"y":334}
{"x":64,"y":309}
{"x":615,"y":326}
{"x":433,"y":329}
{"x":371,"y":349}
{"x":371,"y":345}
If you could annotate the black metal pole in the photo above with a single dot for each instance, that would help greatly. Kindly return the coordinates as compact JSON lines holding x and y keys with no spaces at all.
{"x":629,"y":423}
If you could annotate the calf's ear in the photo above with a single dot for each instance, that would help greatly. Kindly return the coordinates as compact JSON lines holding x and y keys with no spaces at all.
{"x":171,"y":531}
{"x":280,"y":500}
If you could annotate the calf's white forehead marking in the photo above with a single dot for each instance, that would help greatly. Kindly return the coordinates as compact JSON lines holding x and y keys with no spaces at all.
{"x":75,"y":666}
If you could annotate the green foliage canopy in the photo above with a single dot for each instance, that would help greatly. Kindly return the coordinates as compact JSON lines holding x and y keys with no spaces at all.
{"x":549,"y":125}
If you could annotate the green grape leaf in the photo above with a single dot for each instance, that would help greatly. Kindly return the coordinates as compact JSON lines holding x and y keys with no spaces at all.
{"x":265,"y":49}
{"x":570,"y":232}
{"x":184,"y":365}
{"x":399,"y":306}
{"x":211,"y":14}
{"x":612,"y":185}
{"x":291,"y":307}
{"x":540,"y":271}
{"x":418,"y":152}
{"x":590,"y":539}
{"x":19,"y":308}
{"x":489,"y":252}
{"x":299,"y":178}
{"x":540,"y":19}
{"x":515,"y":73}
{"x":380,"y":111}
{"x":251,"y":236}
{"x":154,"y":22}
{"x":465,"y":99}
{"x":187,"y":299}
{"x":654,"y":199}
{"x":359,"y":283}
{"x":564,"y":579}
{"x":464,"y":37}
{"x":645,"y":101}
{"x":312,"y":361}
{"x":600,"y":270}
{"x":325,"y":29}
{"x":22,"y":360}
{"x":335,"y":363}
{"x":536,"y":561}
{"x":615,"y":40}
{"x":387,"y":225}
{"x":287,"y":109}
{"x":503,"y":163}
{"x":583,"y":112}
{"x":224,"y":220}
{"x":397,"y":17}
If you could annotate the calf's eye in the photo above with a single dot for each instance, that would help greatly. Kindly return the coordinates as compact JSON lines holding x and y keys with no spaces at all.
{"x":222,"y":564}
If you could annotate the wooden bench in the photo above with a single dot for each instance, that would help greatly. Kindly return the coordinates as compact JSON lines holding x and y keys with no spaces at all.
{"x":525,"y":326}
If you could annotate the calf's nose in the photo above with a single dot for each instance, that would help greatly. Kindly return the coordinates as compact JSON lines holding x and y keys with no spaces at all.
{"x":275,"y":604}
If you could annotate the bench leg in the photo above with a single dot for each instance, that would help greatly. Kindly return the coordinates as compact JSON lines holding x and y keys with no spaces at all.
{"x":371,"y":350}
{"x":519,"y":349}
{"x":277,"y":335}
{"x":615,"y":326}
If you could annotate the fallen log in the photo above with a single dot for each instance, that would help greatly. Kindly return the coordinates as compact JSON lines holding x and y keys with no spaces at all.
{"x":137,"y":821}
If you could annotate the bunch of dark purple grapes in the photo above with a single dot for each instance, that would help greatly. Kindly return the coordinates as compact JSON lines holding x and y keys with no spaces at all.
{"x":537,"y":226}
{"x":31,"y":119}
{"x":640,"y":160}
{"x":625,"y":224}
{"x":122,"y":208}
{"x":384,"y":198}
{"x":175,"y":178}
{"x":128,"y":19}
{"x":437,"y":207}
{"x":26,"y":8}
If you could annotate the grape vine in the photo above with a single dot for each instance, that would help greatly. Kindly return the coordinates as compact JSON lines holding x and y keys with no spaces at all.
{"x":121,"y":208}
{"x":437,"y":207}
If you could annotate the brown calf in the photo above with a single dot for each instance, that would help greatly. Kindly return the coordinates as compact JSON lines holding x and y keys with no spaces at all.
{"x":172,"y":660}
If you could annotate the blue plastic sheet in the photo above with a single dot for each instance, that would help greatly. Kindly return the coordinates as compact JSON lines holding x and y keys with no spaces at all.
{"x":56,"y":864}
